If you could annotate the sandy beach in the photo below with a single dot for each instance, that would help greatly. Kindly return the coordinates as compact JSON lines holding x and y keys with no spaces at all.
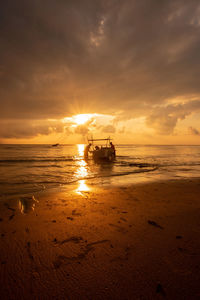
{"x":128,"y":242}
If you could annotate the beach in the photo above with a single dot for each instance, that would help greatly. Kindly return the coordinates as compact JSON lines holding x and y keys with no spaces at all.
{"x":136,"y":241}
{"x":100,"y":150}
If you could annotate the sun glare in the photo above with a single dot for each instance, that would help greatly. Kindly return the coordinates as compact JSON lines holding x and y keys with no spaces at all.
{"x":82,"y":118}
{"x":81,"y":148}
{"x":82,"y":187}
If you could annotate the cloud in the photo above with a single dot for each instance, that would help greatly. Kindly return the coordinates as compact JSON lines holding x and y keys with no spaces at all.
{"x":164,"y":119}
{"x":84,"y":129}
{"x":108,"y":129}
{"x":122,"y":130}
{"x":193,"y":131}
{"x":29,"y":128}
{"x":60,"y":58}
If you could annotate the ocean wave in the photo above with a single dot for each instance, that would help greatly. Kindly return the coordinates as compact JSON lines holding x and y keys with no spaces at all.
{"x":184,"y":164}
{"x":138,"y":165}
{"x":67,"y":180}
{"x":37,"y":160}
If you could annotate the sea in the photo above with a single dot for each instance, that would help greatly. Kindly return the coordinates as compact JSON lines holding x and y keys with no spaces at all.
{"x":26,"y":170}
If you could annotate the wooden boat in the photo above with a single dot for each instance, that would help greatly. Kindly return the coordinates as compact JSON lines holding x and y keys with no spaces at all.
{"x":101,"y":149}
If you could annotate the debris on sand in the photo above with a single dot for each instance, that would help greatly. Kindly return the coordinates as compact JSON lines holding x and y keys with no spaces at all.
{"x":8,"y":206}
{"x":153,"y":223}
{"x":160,"y":290}
{"x":11,"y":217}
{"x":179,"y":237}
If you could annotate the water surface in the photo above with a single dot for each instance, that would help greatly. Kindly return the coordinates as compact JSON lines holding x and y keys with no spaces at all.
{"x":27,"y":169}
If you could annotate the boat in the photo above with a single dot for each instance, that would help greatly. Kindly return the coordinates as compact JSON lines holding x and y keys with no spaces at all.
{"x":102,"y":149}
{"x":55,"y":145}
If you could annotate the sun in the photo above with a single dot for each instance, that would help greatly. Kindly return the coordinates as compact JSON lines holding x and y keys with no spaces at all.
{"x":82,"y":118}
{"x":79,"y":119}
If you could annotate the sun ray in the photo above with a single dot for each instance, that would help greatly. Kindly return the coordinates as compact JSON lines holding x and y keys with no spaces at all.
{"x":82,"y":118}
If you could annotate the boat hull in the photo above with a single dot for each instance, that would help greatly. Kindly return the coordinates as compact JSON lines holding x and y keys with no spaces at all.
{"x":103,"y":154}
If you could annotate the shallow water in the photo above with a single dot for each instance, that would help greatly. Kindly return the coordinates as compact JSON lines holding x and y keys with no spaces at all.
{"x":27,"y":169}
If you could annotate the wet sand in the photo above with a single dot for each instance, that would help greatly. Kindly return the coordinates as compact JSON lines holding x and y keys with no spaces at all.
{"x":132,"y":242}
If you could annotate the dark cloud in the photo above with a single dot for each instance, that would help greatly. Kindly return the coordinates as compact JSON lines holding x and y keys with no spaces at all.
{"x":193,"y":131}
{"x":164,"y":119}
{"x":66,"y":57}
{"x":29,"y":128}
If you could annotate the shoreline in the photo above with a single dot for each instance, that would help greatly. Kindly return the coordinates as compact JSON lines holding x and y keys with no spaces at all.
{"x":137,"y":241}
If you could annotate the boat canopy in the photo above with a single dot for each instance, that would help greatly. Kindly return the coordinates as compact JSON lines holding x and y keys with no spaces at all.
{"x":99,"y":140}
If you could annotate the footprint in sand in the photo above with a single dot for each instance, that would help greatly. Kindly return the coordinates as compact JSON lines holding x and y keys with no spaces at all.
{"x":123,"y":219}
{"x":62,"y":259}
{"x":74,"y":213}
{"x":29,"y":250}
{"x":74,"y":239}
{"x":8,"y":206}
{"x":119,"y":228}
{"x":124,"y":257}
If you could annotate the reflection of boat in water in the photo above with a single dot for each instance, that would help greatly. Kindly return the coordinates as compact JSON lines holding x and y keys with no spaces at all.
{"x":102,"y":152}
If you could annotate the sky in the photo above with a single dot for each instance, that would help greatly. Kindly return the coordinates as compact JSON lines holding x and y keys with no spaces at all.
{"x":126,"y":69}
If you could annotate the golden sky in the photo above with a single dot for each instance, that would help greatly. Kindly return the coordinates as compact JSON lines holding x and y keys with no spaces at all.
{"x":125,"y":69}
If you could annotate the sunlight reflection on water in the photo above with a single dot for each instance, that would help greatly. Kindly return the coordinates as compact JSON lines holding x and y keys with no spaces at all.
{"x":82,"y":171}
{"x":83,"y":187}
{"x":28,"y":169}
{"x":81,"y":149}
